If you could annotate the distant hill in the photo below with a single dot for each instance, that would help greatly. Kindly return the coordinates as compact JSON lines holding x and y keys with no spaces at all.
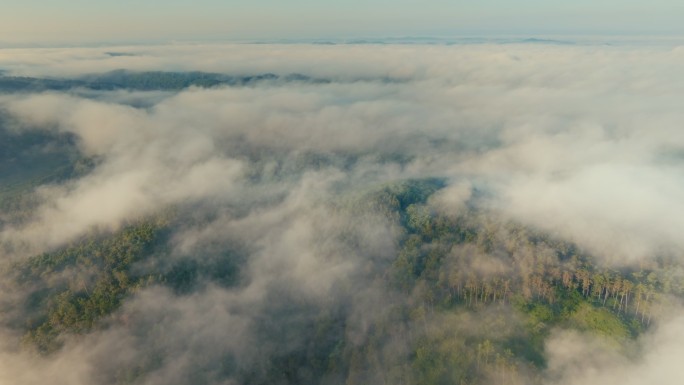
{"x":143,"y":81}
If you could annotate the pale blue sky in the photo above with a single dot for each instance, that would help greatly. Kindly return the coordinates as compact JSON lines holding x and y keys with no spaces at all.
{"x":131,"y":20}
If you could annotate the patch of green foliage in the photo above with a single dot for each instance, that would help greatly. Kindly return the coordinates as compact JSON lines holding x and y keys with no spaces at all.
{"x":600,"y":321}
{"x":97,"y":275}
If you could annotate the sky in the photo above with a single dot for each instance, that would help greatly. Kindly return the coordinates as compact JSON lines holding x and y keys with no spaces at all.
{"x":76,"y":21}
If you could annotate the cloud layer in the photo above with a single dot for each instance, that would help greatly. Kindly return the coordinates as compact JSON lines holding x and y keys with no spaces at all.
{"x":584,"y":141}
{"x":581,"y":141}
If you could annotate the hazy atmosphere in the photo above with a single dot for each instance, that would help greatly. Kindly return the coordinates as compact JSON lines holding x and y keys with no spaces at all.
{"x":261,"y":194}
{"x":80,"y":21}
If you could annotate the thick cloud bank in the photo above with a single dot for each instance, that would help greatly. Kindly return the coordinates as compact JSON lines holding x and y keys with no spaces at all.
{"x":584,"y":142}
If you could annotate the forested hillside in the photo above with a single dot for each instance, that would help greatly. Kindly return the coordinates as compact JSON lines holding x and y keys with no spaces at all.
{"x":469,"y":298}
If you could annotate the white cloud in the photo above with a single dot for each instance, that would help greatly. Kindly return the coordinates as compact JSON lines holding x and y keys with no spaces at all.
{"x":579,"y":140}
{"x":577,"y":359}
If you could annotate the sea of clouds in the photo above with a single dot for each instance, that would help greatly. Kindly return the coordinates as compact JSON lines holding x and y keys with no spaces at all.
{"x":583,"y":141}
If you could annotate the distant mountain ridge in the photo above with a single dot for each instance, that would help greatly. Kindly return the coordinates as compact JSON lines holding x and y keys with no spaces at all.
{"x":143,"y":81}
{"x":154,"y":81}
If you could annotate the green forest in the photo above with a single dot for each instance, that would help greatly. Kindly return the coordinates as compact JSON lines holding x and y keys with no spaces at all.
{"x":472,"y":299}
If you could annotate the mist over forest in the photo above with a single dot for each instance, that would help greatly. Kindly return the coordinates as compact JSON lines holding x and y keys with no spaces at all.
{"x":482,"y":213}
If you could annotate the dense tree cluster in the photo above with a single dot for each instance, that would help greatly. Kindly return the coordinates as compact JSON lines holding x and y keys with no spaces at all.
{"x":469,"y":299}
{"x":76,"y":287}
